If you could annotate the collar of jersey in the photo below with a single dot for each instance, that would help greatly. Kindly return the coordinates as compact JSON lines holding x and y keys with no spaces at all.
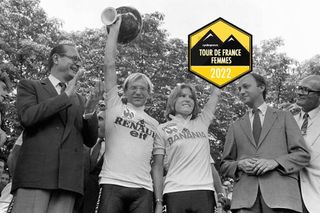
{"x":180,"y":119}
{"x":131,"y":106}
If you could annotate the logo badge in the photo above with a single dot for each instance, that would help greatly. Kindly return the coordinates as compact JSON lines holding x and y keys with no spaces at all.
{"x":220,"y":52}
{"x":128,"y":114}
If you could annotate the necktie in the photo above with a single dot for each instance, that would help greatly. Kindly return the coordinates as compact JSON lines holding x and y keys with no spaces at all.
{"x":63,"y":87}
{"x":256,"y":130}
{"x":304,"y":125}
{"x":63,"y":112}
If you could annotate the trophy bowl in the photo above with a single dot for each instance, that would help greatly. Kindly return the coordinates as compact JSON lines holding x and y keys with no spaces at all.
{"x":131,"y":24}
{"x":108,"y":16}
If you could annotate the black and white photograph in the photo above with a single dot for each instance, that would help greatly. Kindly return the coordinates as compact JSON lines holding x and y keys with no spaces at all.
{"x":107,"y":107}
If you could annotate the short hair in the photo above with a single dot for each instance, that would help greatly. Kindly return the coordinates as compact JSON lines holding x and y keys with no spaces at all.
{"x":260,"y":82}
{"x":59,"y":49}
{"x":176,"y":92}
{"x":136,"y":76}
{"x":4,"y":77}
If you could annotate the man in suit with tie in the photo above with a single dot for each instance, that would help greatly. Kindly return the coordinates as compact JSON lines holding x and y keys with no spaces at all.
{"x":57,"y":122}
{"x":308,"y":120}
{"x":263,"y":152}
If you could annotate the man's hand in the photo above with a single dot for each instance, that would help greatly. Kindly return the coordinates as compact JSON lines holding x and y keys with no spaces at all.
{"x":225,"y":203}
{"x":262,"y":166}
{"x":73,"y":84}
{"x":247,"y":165}
{"x":113,"y":29}
{"x":94,"y":98}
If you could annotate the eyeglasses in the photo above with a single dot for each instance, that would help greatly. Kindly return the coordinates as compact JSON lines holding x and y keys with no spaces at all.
{"x":73,"y":58}
{"x":305,"y":90}
{"x":135,"y":88}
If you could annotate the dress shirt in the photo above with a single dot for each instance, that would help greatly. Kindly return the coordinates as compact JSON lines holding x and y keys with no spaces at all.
{"x":55,"y":82}
{"x":312,"y":115}
{"x":262,"y":113}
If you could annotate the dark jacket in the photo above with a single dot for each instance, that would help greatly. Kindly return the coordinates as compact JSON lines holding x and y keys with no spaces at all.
{"x":51,"y":156}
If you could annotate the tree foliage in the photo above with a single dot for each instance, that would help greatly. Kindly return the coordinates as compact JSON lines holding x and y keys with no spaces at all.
{"x":309,"y":67}
{"x":26,"y":36}
{"x":278,"y":69}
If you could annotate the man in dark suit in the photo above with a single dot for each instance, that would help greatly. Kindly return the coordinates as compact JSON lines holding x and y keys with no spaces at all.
{"x":49,"y":172}
{"x":94,"y":161}
{"x":264,"y":151}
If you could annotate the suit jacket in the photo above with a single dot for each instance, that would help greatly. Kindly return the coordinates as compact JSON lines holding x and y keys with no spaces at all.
{"x":51,"y":156}
{"x":310,"y":175}
{"x":88,"y":202}
{"x":280,"y":140}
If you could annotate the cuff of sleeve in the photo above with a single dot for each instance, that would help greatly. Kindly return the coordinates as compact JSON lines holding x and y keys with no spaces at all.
{"x":280,"y":168}
{"x":88,"y":115}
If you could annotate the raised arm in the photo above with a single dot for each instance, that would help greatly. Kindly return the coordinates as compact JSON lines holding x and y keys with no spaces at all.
{"x":209,"y":109}
{"x":213,"y":98}
{"x":110,"y":75}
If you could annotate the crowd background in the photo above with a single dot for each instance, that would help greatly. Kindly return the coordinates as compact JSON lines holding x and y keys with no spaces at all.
{"x":27,"y":34}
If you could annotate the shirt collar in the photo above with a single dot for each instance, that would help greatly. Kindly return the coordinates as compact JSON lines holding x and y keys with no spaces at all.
{"x":131,"y":106}
{"x":180,"y":118}
{"x":263,"y":109}
{"x":55,"y":82}
{"x":313,"y":113}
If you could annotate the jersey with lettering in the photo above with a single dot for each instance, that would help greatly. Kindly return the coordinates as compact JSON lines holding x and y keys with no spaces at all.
{"x":130,"y":133}
{"x":186,"y":146}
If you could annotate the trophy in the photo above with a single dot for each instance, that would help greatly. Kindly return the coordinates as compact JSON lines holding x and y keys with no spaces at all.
{"x":131,"y":23}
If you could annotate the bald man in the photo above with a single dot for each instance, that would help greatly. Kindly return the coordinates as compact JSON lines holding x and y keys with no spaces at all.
{"x":309,"y":121}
